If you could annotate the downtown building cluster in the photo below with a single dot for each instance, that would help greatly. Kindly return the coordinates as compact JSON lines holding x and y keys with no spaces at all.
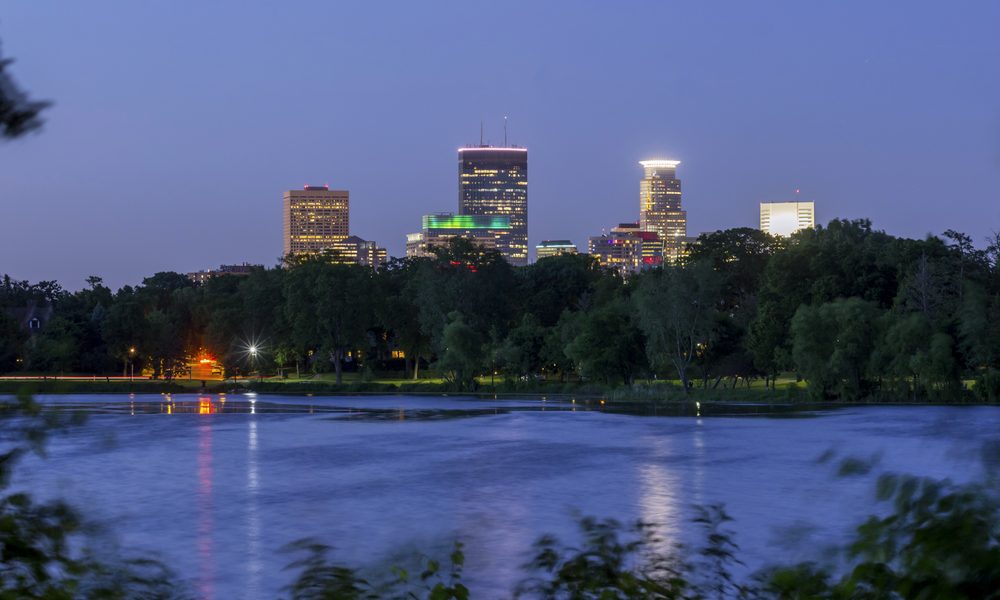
{"x":492,"y":213}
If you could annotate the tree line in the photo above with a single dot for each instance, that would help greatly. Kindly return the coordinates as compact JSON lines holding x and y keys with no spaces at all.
{"x":853,"y":311}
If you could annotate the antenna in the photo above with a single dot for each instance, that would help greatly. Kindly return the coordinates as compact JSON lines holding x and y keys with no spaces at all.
{"x":505,"y":131}
{"x":480,"y":132}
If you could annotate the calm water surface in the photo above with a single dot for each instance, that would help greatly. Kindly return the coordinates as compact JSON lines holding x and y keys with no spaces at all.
{"x":217,"y":488}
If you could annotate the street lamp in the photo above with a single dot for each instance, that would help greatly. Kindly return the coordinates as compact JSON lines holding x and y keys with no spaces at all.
{"x":131,"y":364}
{"x":253,"y":357}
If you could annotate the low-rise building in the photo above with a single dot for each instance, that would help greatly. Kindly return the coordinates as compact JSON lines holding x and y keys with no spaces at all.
{"x":627,"y":249}
{"x":483,"y":230}
{"x":356,"y":251}
{"x":242,"y":269}
{"x":548,"y":248}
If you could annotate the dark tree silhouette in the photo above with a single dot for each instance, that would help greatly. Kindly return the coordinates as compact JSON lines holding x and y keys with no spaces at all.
{"x":18,"y":114}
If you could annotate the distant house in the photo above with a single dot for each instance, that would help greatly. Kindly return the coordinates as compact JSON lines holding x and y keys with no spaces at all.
{"x":33,"y":317}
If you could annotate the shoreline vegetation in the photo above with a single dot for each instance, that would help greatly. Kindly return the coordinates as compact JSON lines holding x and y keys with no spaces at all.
{"x":636,"y":396}
{"x":841,"y":313}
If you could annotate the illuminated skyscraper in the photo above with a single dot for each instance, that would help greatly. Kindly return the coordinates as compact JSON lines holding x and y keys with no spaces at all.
{"x":660,"y":205}
{"x":315,"y":218}
{"x":785,"y":218}
{"x":494,"y":182}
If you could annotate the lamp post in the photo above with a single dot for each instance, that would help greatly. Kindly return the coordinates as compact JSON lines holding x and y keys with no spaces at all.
{"x":131,"y":364}
{"x":253,"y":357}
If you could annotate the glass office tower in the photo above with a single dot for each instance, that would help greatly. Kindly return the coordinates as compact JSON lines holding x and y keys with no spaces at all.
{"x":660,"y":205}
{"x":494,"y":182}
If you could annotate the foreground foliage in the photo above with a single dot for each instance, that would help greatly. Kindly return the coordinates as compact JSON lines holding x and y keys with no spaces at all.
{"x":45,"y":549}
{"x":940,"y":540}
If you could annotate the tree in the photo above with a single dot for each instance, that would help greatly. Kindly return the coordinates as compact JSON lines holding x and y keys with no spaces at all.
{"x":677,"y":309}
{"x":979,"y":328}
{"x":557,"y":283}
{"x":395,"y":309}
{"x":18,"y":114}
{"x":832,"y":345}
{"x":463,"y":354}
{"x":328,"y":307}
{"x":12,"y":340}
{"x":740,"y":256}
{"x":466,"y":278}
{"x":124,"y":328}
{"x":521,"y":352}
{"x":608,"y":344}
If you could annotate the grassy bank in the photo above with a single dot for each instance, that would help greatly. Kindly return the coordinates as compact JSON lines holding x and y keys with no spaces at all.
{"x":785,"y":390}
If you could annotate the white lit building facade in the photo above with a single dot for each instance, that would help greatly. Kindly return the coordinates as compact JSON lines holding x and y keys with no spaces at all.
{"x":785,"y":218}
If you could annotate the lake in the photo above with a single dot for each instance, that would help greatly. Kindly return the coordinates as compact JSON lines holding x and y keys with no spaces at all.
{"x":216,"y":485}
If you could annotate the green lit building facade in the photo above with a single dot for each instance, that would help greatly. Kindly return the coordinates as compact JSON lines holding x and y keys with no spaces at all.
{"x":493,"y":182}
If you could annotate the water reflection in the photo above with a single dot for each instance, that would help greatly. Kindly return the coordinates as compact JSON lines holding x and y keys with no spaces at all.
{"x":700,"y":460}
{"x":254,"y":560}
{"x":495,"y":479}
{"x":206,"y":526}
{"x":660,"y":492}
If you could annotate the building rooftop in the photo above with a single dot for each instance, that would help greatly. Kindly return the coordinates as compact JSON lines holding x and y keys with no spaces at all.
{"x":494,"y":148}
{"x":656,"y":163}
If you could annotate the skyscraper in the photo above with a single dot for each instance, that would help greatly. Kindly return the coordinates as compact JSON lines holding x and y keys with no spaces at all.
{"x":494,"y":182}
{"x":785,"y":218}
{"x":314,"y":219}
{"x":660,"y":205}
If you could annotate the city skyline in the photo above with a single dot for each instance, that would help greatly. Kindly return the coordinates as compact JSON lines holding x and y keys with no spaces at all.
{"x":852,"y":123}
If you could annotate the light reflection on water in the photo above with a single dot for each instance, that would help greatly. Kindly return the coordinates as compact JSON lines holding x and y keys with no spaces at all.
{"x":254,"y":561}
{"x":660,"y":494}
{"x":206,"y":525}
{"x":376,"y":474}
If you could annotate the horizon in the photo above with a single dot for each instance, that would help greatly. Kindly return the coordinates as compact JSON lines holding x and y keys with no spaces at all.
{"x":199,"y":140}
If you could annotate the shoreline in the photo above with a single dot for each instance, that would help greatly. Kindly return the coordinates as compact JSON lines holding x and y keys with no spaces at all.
{"x":668,"y":396}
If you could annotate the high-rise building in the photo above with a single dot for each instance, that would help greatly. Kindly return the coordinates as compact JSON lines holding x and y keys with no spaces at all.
{"x":660,"y":206}
{"x":315,"y":218}
{"x":785,"y":218}
{"x":489,"y":232}
{"x":548,"y":248}
{"x":493,"y":182}
{"x":627,"y":249}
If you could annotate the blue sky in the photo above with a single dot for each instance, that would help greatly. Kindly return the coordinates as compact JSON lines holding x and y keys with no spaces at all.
{"x":177,"y":125}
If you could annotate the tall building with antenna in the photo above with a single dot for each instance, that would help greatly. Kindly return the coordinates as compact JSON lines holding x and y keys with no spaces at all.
{"x":493,"y":181}
{"x":660,"y":205}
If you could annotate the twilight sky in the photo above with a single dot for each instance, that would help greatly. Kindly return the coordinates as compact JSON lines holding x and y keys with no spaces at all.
{"x":178,"y":124}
